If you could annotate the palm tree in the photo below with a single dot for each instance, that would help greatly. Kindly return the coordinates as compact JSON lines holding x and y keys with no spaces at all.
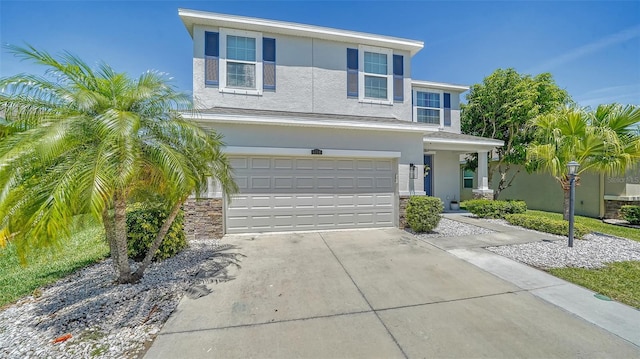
{"x":602,"y":141}
{"x":90,"y":141}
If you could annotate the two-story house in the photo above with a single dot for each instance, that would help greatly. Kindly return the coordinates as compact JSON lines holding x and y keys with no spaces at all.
{"x":324,"y":128}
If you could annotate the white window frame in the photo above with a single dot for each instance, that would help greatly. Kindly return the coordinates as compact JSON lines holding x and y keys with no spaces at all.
{"x":361,"y":74}
{"x":223,"y":61}
{"x":416,"y":107}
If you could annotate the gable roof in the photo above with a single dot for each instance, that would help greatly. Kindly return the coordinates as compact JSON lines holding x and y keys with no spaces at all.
{"x":195,"y":17}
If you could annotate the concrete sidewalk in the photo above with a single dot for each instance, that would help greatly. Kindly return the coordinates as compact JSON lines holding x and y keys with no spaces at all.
{"x":617,"y":318}
{"x":379,"y":294}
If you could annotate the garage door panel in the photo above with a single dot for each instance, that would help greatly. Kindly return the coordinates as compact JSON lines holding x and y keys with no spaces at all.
{"x":326,"y":165}
{"x":345,"y":182}
{"x":305,"y":183}
{"x":304,"y":164}
{"x":384,"y":183}
{"x":260,"y":163}
{"x":326,"y":183}
{"x":283,"y":182}
{"x":239,"y":163}
{"x":345,"y":165}
{"x":284,"y":194}
{"x":283,"y":163}
{"x":260,"y":182}
{"x":365,"y":182}
{"x":365,"y":165}
{"x":384,"y":165}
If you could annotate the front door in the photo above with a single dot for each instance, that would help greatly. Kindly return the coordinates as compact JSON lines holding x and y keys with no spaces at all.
{"x":428,"y":174}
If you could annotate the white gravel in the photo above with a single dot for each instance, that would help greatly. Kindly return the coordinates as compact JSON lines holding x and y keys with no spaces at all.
{"x":594,"y":251}
{"x":450,"y":228}
{"x":118,"y":321}
{"x":107,"y":320}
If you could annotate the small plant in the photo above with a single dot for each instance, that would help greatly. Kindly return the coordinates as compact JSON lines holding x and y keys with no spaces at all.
{"x":547,"y":225}
{"x":144,"y":222}
{"x":423,"y":213}
{"x":485,"y":208}
{"x":631,"y":214}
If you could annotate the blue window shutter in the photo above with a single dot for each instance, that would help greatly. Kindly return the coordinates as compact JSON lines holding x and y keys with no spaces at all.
{"x":211,"y":58}
{"x":447,"y":109}
{"x":352,"y":72}
{"x":268,"y":63}
{"x":211,"y":44}
{"x":398,"y":78}
{"x":268,"y":49}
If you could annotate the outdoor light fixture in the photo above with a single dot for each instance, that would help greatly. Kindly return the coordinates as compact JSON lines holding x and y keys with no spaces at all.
{"x":573,"y":169}
{"x":412,"y":171}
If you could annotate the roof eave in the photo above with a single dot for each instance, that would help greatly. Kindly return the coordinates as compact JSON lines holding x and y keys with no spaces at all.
{"x":304,"y":122}
{"x":485,"y":143}
{"x":439,"y":86}
{"x":192,"y":17}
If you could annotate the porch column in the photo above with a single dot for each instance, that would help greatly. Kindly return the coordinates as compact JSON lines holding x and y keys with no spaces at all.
{"x":482,"y":173}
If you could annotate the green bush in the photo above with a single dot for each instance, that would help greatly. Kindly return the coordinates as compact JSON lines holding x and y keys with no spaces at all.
{"x":423,"y":213}
{"x":485,"y":208}
{"x":143,"y":224}
{"x":631,"y":214}
{"x":542,"y":224}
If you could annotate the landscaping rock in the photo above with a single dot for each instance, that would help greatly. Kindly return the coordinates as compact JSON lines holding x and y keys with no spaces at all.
{"x":594,"y":251}
{"x":105,"y":320}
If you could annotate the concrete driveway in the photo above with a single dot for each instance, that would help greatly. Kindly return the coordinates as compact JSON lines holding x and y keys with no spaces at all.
{"x":371,"y":294}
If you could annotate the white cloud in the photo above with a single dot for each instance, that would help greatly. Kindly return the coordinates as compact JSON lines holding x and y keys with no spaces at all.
{"x":587,"y":49}
{"x":625,"y":94}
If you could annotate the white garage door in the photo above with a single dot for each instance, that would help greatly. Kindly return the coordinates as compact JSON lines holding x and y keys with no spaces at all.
{"x":308,"y":193}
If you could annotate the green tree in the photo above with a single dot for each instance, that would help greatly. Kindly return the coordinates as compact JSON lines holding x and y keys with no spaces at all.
{"x":500,"y":107}
{"x":92,"y":141}
{"x":602,"y":141}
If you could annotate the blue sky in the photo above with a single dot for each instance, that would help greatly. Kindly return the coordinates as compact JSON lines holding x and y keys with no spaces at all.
{"x":592,"y":48}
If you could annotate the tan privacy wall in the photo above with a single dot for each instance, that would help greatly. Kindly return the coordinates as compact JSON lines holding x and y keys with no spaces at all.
{"x":542,"y":192}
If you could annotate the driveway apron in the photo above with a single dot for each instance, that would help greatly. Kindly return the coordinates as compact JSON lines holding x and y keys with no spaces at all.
{"x":371,"y":294}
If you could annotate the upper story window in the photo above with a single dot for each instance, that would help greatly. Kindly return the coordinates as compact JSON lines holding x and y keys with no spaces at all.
{"x":240,"y":61}
{"x":432,"y":107}
{"x":427,"y":107}
{"x":373,"y":75}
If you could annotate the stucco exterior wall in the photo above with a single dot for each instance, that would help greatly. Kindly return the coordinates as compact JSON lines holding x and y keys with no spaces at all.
{"x":446,"y":172}
{"x":409,"y":144}
{"x":311,"y":76}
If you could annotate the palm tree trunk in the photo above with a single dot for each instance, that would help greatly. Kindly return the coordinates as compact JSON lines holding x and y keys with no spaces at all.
{"x":156,"y":243}
{"x":567,"y":193}
{"x":110,"y":234}
{"x":121,"y":267}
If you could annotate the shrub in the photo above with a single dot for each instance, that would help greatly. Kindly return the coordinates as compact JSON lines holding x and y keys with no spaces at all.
{"x":423,"y":213}
{"x":631,"y":214}
{"x":485,"y":208}
{"x":144,"y":222}
{"x":542,"y":224}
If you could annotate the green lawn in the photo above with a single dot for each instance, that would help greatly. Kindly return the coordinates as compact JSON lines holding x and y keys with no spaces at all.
{"x":86,"y":246}
{"x":595,"y":225}
{"x":619,"y":281}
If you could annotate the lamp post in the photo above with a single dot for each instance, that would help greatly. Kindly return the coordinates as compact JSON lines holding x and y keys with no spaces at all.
{"x":573,"y":169}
